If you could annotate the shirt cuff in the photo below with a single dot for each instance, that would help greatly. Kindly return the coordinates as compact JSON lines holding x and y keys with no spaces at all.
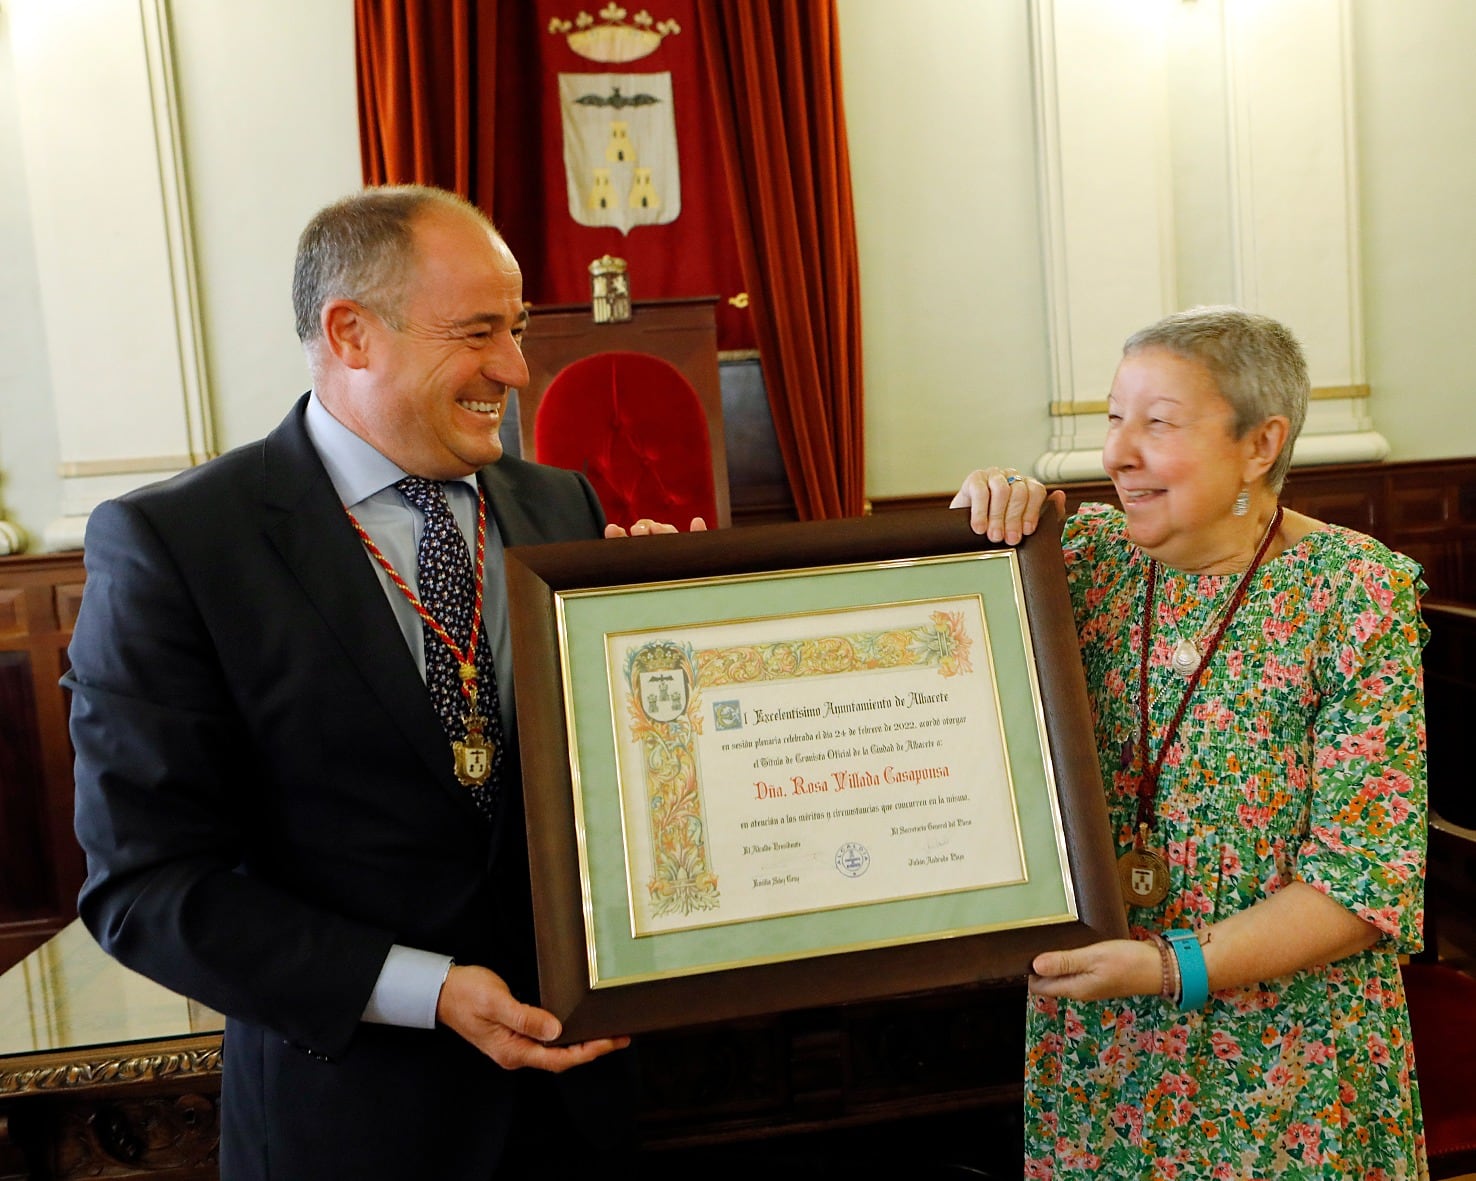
{"x":408,"y":988}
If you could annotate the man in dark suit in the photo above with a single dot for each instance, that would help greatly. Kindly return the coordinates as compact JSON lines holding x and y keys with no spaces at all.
{"x":273,"y":817}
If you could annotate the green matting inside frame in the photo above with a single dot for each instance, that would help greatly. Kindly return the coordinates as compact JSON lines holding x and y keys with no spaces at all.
{"x":588,"y":615}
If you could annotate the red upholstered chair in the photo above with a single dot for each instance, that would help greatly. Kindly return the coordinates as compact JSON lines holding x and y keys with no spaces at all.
{"x":1442,"y":1017}
{"x":633,"y":425}
{"x":634,"y":405}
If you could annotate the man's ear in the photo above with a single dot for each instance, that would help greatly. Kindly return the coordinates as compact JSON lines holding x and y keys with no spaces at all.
{"x":346,"y":332}
{"x":1267,"y":439}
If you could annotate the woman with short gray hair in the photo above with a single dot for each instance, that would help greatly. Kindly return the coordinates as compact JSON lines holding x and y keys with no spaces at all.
{"x":1256,"y":690}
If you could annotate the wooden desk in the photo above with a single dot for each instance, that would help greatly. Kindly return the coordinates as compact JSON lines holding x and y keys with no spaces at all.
{"x":103,"y":1073}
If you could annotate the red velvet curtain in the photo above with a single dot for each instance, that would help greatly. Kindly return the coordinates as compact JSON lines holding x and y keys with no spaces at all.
{"x":436,"y":75}
{"x":775,"y":67}
{"x":427,"y":84}
{"x":406,"y":94}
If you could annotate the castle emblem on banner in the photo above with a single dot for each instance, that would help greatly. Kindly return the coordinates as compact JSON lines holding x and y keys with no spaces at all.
{"x":620,"y":148}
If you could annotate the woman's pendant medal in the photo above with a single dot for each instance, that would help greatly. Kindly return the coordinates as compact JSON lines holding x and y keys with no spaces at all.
{"x":1142,"y":873}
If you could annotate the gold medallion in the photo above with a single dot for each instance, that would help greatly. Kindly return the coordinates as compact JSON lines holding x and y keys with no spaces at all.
{"x":473,"y":754}
{"x":1143,"y":876}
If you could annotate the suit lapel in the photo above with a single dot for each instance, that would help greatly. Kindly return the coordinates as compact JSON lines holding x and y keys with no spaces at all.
{"x":306,"y":522}
{"x":513,"y":523}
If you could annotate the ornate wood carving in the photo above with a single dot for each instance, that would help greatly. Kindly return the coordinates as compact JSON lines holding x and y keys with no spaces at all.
{"x":75,"y":1071}
{"x":133,"y":1138}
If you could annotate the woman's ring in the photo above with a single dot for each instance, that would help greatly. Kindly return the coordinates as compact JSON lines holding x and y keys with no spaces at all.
{"x":1013,"y":480}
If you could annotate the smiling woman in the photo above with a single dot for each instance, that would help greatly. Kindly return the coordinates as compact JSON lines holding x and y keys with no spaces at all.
{"x":1202,"y":416}
{"x":1255,"y":679}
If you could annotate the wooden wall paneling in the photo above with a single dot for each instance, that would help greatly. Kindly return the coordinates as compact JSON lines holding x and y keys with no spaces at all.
{"x":1355,"y":508}
{"x":1423,"y":508}
{"x":1432,"y":509}
{"x":41,"y":865}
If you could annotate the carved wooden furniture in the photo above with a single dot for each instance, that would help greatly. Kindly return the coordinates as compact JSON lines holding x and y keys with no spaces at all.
{"x":40,"y":863}
{"x":635,"y":405}
{"x":103,"y":1073}
{"x":823,"y":1082}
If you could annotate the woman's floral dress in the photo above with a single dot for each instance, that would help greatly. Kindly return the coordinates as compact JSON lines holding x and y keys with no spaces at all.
{"x":1300,"y":758}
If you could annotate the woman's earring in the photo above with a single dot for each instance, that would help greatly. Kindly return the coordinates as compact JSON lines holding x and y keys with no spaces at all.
{"x":1242,"y":503}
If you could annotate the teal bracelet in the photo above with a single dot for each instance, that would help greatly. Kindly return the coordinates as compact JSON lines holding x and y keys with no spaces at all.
{"x":1193,"y":976}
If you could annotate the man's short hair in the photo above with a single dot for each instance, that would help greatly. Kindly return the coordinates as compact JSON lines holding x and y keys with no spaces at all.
{"x":1257,"y":364}
{"x":363,"y":248}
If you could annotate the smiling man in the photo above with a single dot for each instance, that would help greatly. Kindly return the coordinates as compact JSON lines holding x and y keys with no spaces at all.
{"x":418,"y":365}
{"x":297,"y":776}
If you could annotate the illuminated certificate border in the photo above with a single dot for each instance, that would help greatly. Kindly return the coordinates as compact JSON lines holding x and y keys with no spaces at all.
{"x":603,"y":970}
{"x":811,"y":760}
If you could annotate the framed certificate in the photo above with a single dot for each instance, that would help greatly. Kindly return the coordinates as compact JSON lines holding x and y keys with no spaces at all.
{"x":797,"y":765}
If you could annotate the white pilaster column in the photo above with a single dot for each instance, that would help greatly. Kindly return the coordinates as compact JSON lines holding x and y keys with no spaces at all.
{"x":1103,"y":154}
{"x":105,"y":178}
{"x":1289,"y":71}
{"x":1199,"y":152}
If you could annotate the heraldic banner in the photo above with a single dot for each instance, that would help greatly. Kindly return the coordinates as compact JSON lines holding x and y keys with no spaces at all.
{"x":630,"y":161}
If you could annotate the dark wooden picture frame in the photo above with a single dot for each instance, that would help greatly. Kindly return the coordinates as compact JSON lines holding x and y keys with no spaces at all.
{"x":538,"y":575}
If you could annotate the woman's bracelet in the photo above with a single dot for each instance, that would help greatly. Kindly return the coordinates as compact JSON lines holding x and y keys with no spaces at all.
{"x":1169,"y":968}
{"x":1193,"y":975}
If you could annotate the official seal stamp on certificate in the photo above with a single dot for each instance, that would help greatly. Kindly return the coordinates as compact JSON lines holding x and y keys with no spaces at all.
{"x":852,"y":859}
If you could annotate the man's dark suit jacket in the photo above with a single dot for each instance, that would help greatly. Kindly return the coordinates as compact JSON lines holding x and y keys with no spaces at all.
{"x":266,"y":799}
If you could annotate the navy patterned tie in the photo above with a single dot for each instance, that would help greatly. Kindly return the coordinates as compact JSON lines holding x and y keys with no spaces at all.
{"x":447,"y":587}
